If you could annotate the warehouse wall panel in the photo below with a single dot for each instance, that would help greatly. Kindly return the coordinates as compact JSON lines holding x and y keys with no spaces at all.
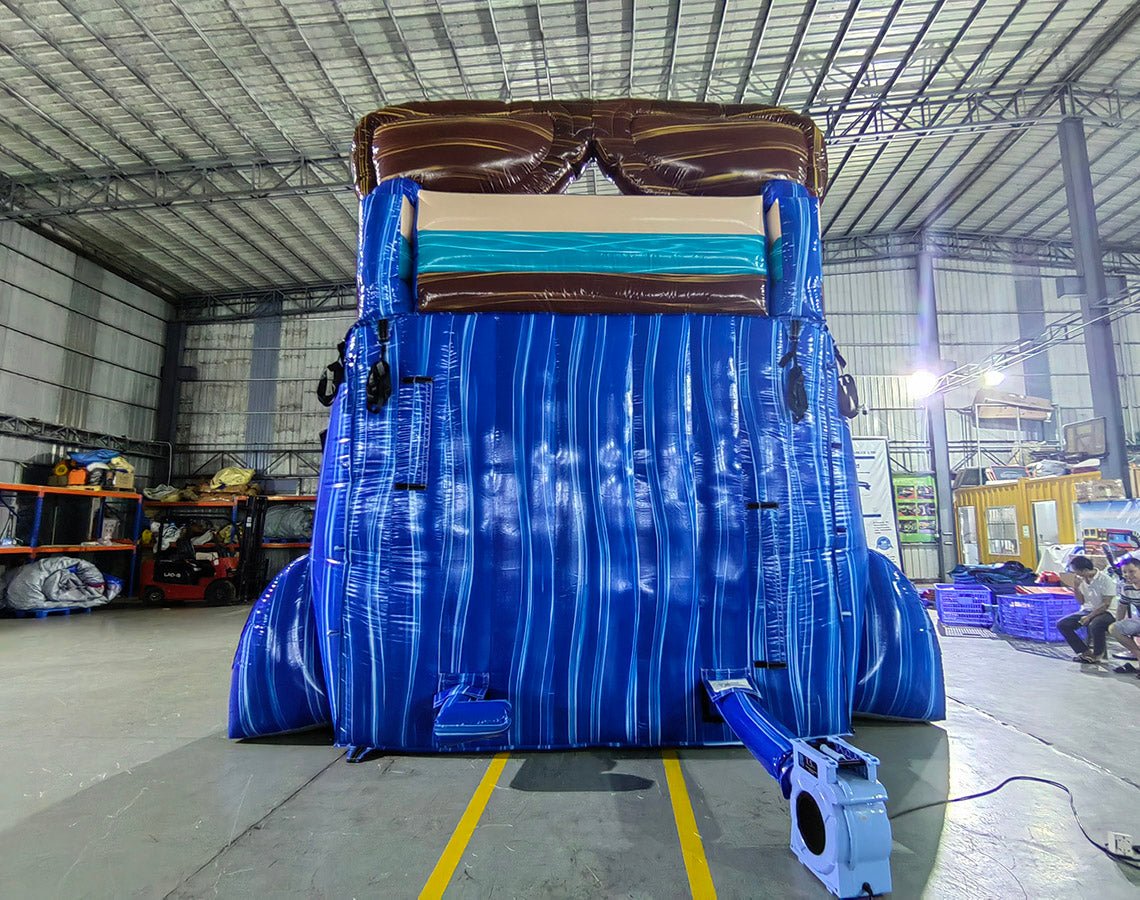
{"x":216,"y":425}
{"x":79,"y":347}
{"x":872,"y":310}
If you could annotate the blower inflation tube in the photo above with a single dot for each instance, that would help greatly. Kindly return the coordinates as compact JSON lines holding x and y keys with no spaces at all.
{"x":840,"y":830}
{"x":737,"y":700}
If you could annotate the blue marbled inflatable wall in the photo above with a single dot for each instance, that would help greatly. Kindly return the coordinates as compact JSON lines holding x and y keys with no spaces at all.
{"x":579,"y":515}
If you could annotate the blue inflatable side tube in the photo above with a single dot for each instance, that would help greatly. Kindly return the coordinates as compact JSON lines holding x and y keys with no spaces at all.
{"x":278,"y":684}
{"x":900,"y":662}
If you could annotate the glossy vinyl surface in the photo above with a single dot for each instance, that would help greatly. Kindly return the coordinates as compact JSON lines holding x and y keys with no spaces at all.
{"x":900,"y":662}
{"x":537,"y":147}
{"x":583,"y":513}
{"x":277,"y":683}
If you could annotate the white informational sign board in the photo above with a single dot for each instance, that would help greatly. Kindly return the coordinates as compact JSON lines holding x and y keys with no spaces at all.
{"x":877,"y":497}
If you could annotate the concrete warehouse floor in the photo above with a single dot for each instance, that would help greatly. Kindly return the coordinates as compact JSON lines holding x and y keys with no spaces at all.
{"x":116,"y":780}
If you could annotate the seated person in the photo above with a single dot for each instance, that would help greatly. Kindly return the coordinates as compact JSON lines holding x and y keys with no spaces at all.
{"x":1126,"y":628}
{"x":1097,"y":593}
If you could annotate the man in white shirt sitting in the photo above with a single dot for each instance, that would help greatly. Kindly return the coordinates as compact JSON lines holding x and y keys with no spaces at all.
{"x":1097,"y":593}
{"x":1126,"y":628}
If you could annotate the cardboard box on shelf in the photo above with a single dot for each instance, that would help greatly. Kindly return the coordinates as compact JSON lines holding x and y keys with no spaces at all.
{"x":122,"y":475}
{"x":1096,"y":491}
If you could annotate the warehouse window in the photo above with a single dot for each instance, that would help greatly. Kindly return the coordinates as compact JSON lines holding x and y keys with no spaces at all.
{"x":1001,"y":530}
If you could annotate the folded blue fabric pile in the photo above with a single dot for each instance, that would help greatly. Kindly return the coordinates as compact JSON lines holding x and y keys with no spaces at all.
{"x":1001,"y":578}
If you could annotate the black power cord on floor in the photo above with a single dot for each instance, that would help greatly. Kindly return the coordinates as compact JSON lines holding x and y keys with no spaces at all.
{"x":1117,"y":857}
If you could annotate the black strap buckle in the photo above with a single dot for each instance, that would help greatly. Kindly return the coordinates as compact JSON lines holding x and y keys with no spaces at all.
{"x":848,"y":390}
{"x":795,"y":389}
{"x":378,"y":389}
{"x":331,"y":378}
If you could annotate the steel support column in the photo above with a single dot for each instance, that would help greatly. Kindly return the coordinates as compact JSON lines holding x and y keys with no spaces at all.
{"x":1099,"y":347}
{"x":1031,"y":322}
{"x":930,"y":357}
{"x":166,"y":418}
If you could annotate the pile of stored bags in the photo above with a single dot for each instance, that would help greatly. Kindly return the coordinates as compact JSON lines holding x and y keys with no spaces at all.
{"x":225,"y":485}
{"x":232,"y":478}
{"x":163,"y":493}
{"x":1001,"y":579}
{"x":59,"y":581}
{"x":99,"y":468}
{"x":288,"y":523}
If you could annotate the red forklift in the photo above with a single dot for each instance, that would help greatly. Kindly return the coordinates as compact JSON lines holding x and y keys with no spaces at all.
{"x":191,"y":580}
{"x":188,"y":569}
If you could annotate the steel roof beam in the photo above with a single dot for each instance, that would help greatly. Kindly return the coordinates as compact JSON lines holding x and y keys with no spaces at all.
{"x":64,"y":435}
{"x":753,"y":52}
{"x":833,"y":51}
{"x":969,"y":112}
{"x":719,"y":17}
{"x":955,"y":244}
{"x":545,"y":53}
{"x":80,"y":193}
{"x":1127,"y":166}
{"x":47,"y":197}
{"x":1100,"y":46}
{"x":675,"y":16}
{"x":240,"y":79}
{"x":901,"y":70}
{"x":794,"y":51}
{"x":506,"y":93}
{"x":453,"y":50}
{"x":303,"y":299}
{"x":869,"y":56}
{"x":964,"y":80}
{"x":632,"y":42}
{"x":407,"y":51}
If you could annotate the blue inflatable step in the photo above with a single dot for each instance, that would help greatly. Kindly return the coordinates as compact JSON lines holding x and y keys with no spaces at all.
{"x":462,"y":713}
{"x":465,"y":721}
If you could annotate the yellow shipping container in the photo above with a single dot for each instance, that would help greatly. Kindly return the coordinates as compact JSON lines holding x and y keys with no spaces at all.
{"x":1015,"y":520}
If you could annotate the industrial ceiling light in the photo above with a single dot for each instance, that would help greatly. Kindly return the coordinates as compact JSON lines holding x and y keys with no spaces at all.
{"x":923,"y":383}
{"x":991,"y":378}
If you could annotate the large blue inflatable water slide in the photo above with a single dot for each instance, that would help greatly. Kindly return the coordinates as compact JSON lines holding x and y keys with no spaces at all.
{"x":588,"y":480}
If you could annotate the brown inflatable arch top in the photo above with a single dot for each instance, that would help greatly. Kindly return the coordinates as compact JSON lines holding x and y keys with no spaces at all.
{"x":538,"y":147}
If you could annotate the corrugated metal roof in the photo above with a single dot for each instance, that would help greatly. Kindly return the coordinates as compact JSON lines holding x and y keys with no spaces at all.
{"x":103,"y":86}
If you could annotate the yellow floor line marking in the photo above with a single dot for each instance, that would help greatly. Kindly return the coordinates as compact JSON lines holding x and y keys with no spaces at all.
{"x":440,"y":876}
{"x":692,"y":849}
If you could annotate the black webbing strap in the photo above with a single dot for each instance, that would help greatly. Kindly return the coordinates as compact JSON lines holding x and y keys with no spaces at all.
{"x":379,"y":387}
{"x":849,"y":405}
{"x":331,"y":378}
{"x":795,"y":391}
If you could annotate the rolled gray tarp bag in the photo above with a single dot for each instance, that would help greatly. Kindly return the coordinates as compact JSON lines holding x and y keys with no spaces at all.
{"x":59,"y":581}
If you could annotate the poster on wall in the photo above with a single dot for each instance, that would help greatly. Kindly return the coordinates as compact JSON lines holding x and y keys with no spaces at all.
{"x":917,"y":509}
{"x":1112,"y":525}
{"x":873,"y":470}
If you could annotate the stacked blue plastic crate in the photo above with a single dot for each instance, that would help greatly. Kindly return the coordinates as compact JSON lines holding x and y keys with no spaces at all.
{"x":960,"y":604}
{"x":1034,"y":616}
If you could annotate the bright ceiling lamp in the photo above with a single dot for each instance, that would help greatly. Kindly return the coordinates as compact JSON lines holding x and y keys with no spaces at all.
{"x":991,"y":378}
{"x":923,"y":383}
